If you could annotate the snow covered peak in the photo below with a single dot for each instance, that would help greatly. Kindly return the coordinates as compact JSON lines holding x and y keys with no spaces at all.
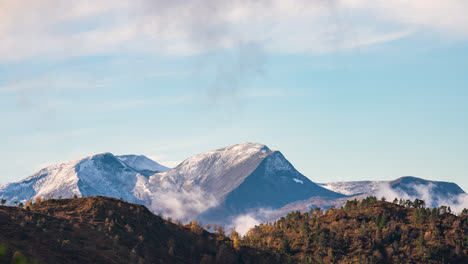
{"x":240,"y":151}
{"x":100,"y":174}
{"x":352,"y":187}
{"x":216,"y":161}
{"x":247,"y":147}
{"x":141,"y":162}
{"x":218,"y":171}
{"x":435,"y":193}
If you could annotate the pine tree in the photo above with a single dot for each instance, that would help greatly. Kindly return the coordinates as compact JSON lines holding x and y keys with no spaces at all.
{"x":285,"y":246}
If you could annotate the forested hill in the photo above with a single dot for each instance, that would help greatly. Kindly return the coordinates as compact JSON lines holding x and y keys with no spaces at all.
{"x":107,"y":230}
{"x":369,"y":231}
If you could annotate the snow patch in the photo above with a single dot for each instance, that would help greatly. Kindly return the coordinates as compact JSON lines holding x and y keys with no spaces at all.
{"x":141,"y":162}
{"x":352,"y":187}
{"x":298,"y":181}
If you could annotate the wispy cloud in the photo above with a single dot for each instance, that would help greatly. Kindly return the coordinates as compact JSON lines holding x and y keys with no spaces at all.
{"x":51,"y":83}
{"x":248,"y":31}
{"x":445,"y":16}
{"x":58,"y":30}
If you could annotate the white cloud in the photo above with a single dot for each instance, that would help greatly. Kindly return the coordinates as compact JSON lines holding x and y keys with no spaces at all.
{"x":444,"y":15}
{"x":57,"y":29}
{"x":243,"y":223}
{"x":181,"y":204}
{"x":424,"y":192}
{"x":68,"y":82}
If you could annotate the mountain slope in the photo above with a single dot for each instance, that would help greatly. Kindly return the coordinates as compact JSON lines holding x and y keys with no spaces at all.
{"x":102,"y":174}
{"x":273,"y":184}
{"x":222,"y":183}
{"x":218,"y":171}
{"x":107,"y":230}
{"x":143,"y":164}
{"x":216,"y":185}
{"x":352,"y":187}
{"x":366,"y":231}
{"x":435,"y":193}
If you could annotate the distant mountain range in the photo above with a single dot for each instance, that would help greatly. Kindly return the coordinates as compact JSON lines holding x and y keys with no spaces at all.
{"x":435,"y":193}
{"x":215,"y":187}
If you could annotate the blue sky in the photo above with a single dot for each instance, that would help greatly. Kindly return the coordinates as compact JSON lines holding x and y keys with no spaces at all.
{"x":347,"y":90}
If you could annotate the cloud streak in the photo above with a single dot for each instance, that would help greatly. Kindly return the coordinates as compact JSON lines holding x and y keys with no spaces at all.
{"x":236,"y":37}
{"x":53,"y":29}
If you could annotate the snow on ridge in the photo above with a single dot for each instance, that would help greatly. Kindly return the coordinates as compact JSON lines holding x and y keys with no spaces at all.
{"x":298,"y":181}
{"x":278,"y":162}
{"x":211,"y":174}
{"x":100,"y":174}
{"x":141,"y":162}
{"x":224,"y":157}
{"x":352,"y":187}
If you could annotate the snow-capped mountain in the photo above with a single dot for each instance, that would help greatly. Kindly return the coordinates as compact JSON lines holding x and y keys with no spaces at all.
{"x":102,"y":174}
{"x":352,"y":187}
{"x":222,"y":183}
{"x":435,"y":193}
{"x":216,"y":186}
{"x":143,"y":164}
{"x":213,"y":186}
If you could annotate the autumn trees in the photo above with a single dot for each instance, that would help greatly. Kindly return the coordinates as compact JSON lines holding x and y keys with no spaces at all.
{"x":368,"y":231}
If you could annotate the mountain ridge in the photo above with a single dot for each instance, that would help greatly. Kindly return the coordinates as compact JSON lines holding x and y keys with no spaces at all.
{"x":95,"y":174}
{"x":437,"y":193}
{"x":219,"y":185}
{"x":233,"y":180}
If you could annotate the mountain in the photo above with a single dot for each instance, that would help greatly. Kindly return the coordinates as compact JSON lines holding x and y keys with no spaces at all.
{"x":102,"y":174}
{"x":435,"y":193}
{"x":107,"y":230}
{"x":352,"y":187}
{"x":143,"y":164}
{"x":219,"y":186}
{"x":214,"y":186}
{"x":230,"y":181}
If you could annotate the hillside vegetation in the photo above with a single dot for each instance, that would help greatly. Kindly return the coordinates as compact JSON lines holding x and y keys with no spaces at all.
{"x":368,"y":231}
{"x":108,"y":230}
